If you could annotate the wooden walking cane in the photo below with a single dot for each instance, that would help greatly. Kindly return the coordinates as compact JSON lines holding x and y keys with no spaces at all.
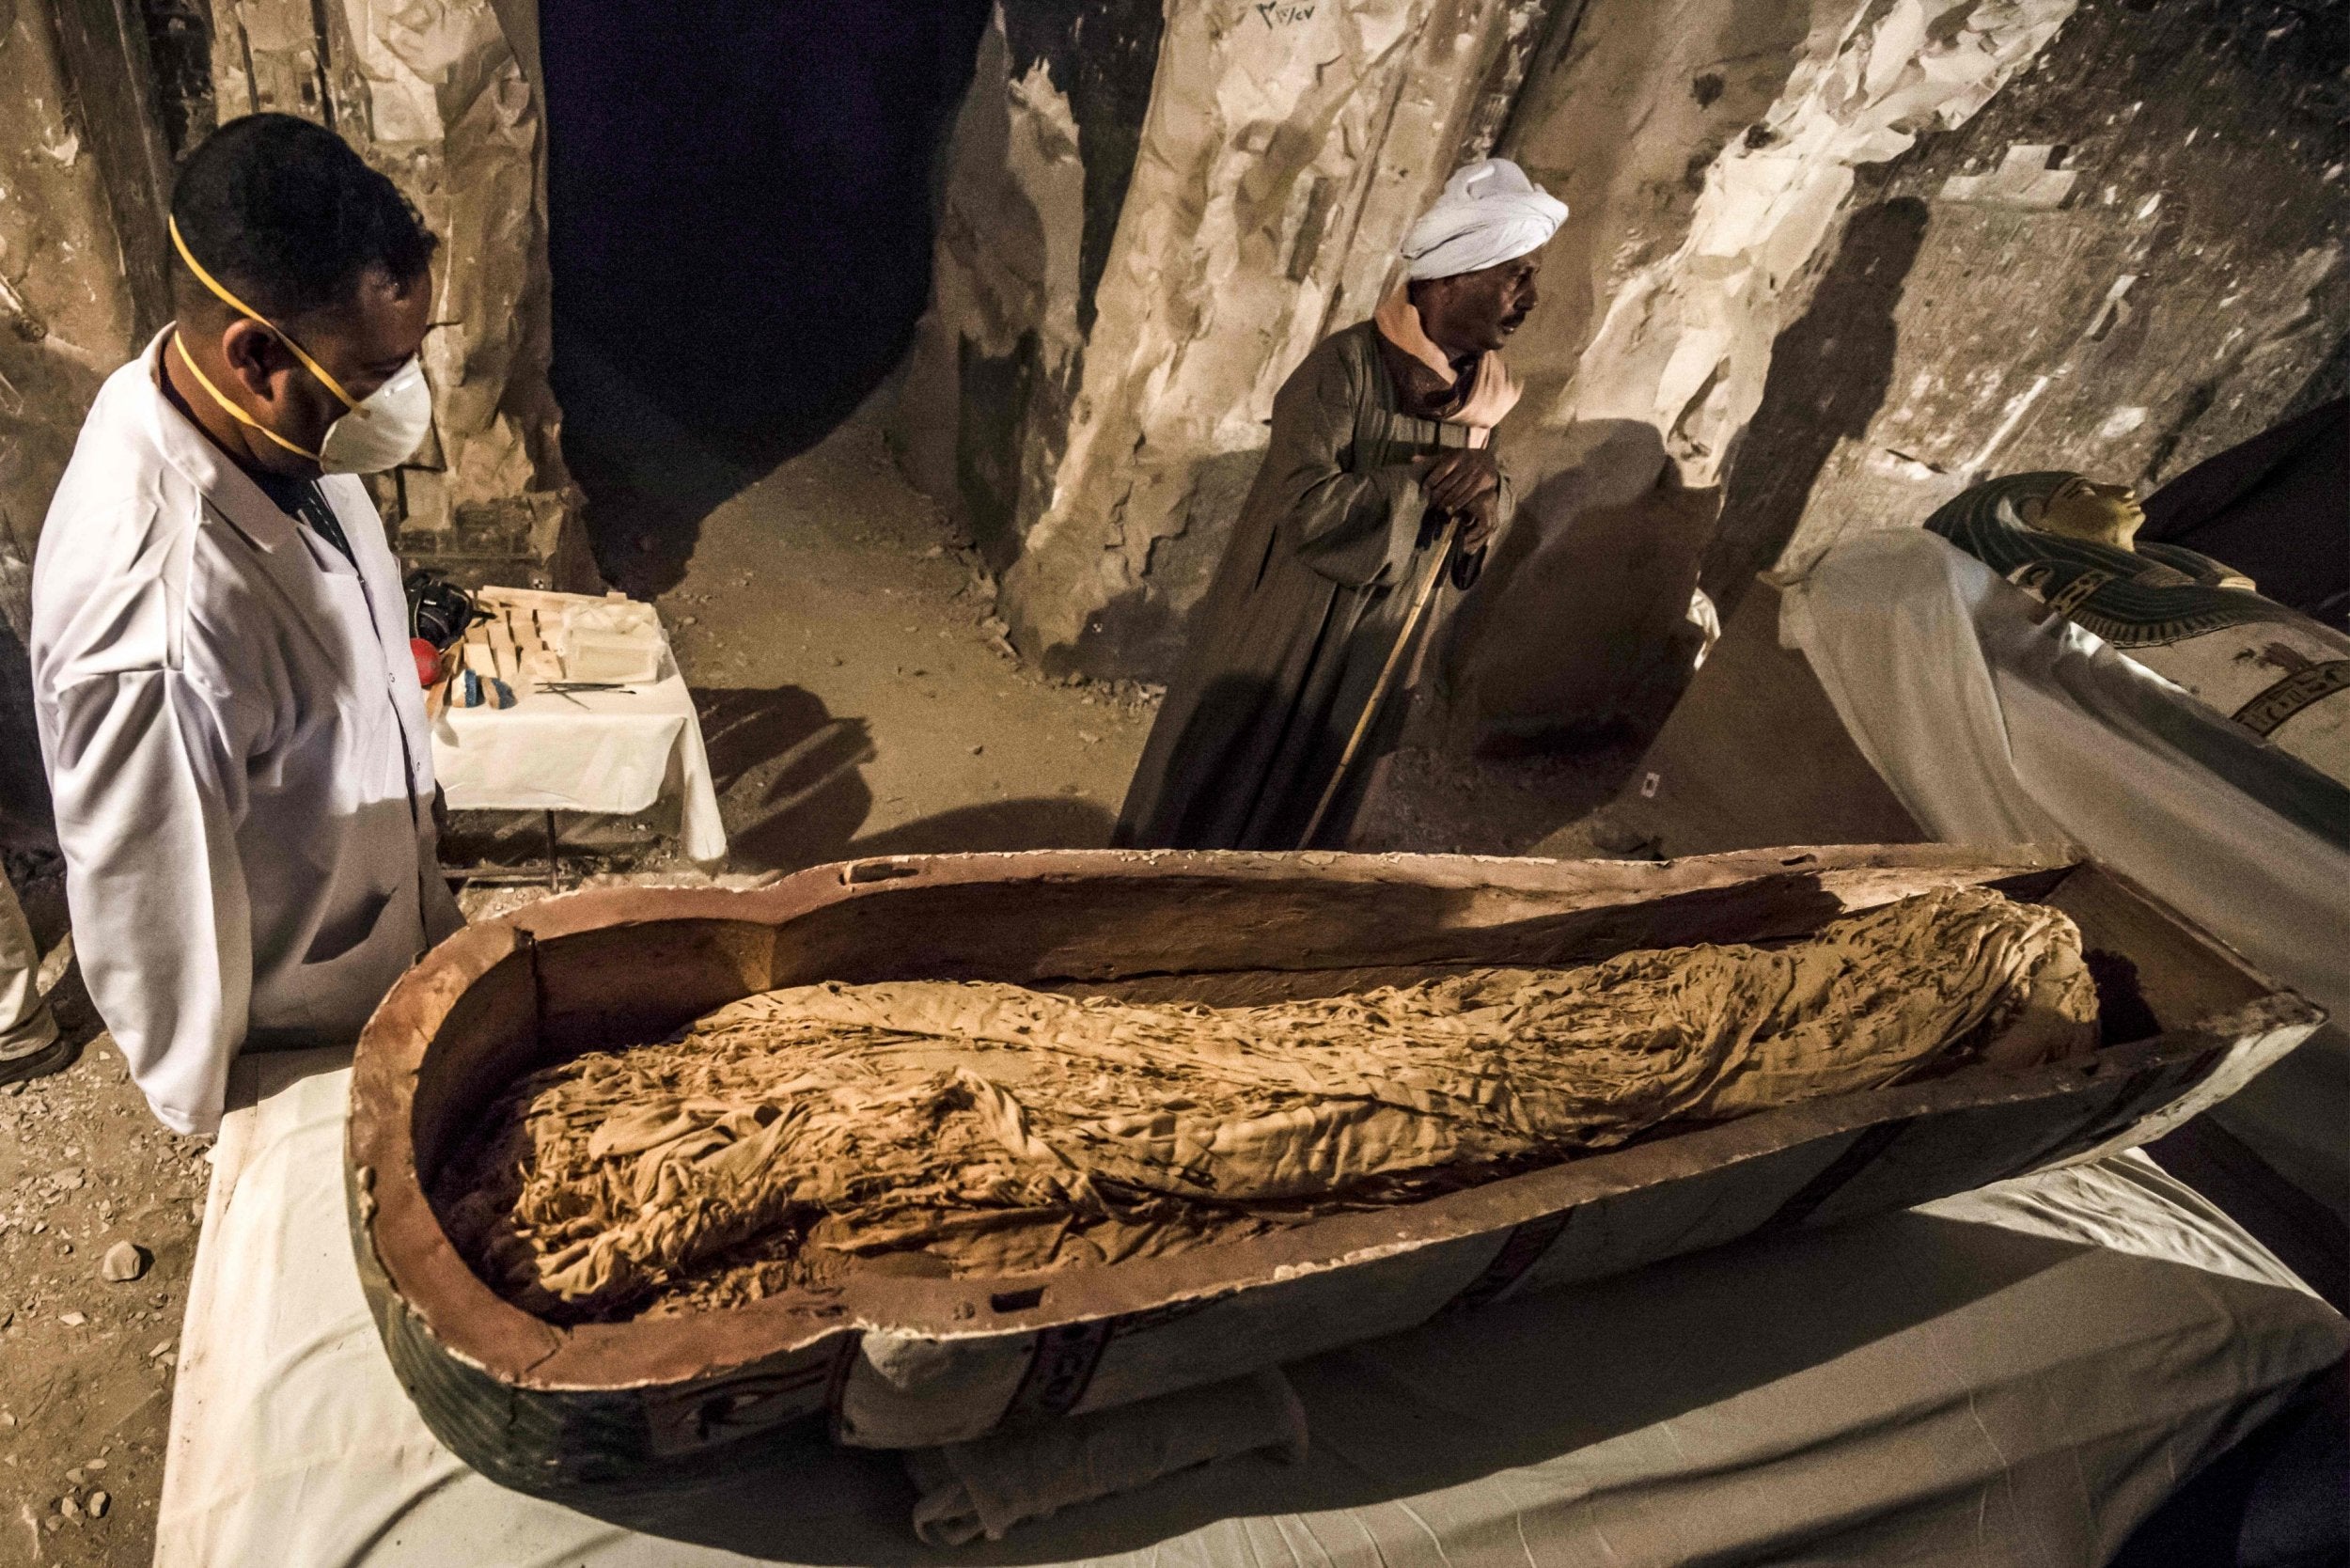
{"x":1412,"y":618}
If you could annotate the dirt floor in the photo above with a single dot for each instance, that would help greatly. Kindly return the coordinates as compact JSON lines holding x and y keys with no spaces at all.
{"x":86,"y":1364}
{"x":857,"y":698}
{"x":857,"y":691}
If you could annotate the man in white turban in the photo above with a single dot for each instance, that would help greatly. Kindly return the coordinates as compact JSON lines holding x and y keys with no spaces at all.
{"x":1489,"y":214}
{"x":1381,"y":474}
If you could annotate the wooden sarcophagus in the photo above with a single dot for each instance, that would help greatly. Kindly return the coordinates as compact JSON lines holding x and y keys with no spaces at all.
{"x":588,"y":1410}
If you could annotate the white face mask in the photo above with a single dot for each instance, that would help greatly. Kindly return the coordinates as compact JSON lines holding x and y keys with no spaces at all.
{"x":375,"y":433}
{"x":382,"y":429}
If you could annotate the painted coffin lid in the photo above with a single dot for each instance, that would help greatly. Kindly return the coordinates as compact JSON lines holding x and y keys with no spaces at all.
{"x":608,"y":1409}
{"x":2273,"y":672}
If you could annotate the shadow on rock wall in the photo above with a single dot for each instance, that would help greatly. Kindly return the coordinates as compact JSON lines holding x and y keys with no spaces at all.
{"x":1829,"y":374}
{"x":1574,"y":633}
{"x":1581,"y":633}
{"x":1148,"y":628}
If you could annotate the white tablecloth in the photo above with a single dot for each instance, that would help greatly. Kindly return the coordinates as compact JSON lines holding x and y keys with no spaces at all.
{"x":613,"y":752}
{"x":2016,"y":1376}
{"x":1997,"y":724}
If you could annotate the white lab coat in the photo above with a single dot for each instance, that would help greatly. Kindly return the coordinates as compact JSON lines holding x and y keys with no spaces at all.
{"x":236,"y":742}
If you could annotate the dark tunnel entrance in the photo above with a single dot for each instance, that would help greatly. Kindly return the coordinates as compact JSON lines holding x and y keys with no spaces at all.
{"x":740,"y":211}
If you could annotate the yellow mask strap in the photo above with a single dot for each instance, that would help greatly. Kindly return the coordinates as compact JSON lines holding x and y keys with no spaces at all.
{"x":234,"y":412}
{"x":252,"y":315}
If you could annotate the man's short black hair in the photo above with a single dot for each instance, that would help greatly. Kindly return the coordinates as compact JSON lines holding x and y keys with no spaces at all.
{"x":290,"y":219}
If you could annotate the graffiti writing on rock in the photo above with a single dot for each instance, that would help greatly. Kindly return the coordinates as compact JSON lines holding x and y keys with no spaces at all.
{"x":1286,"y":13}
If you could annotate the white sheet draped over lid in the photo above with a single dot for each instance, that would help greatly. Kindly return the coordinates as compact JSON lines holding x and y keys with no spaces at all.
{"x":1997,"y":723}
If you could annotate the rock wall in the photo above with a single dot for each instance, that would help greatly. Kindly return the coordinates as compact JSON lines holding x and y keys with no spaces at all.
{"x":983,"y":416}
{"x":1962,"y":239}
{"x":1095,"y":430}
{"x":81,"y":282}
{"x":1708,"y":150}
{"x":80,"y":287}
{"x":97,"y":100}
{"x":2132,"y":259}
{"x":1125,"y":277}
{"x":441,"y":95}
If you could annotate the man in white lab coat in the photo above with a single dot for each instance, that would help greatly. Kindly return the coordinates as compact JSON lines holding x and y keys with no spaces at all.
{"x":229,"y":713}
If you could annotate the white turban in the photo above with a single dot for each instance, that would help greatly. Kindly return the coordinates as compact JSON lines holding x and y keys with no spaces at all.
{"x":1489,"y":214}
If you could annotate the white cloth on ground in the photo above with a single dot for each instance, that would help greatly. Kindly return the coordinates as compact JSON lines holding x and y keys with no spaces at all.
{"x":235,"y":741}
{"x":1996,"y":723}
{"x":1489,"y":214}
{"x":987,"y":1486}
{"x":2016,"y":1375}
{"x":25,"y":1023}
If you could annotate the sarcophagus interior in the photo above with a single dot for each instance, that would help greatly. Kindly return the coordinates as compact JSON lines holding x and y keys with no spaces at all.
{"x":893,"y":1359}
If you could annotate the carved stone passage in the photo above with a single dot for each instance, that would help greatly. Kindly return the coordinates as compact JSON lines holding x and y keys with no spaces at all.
{"x":437,"y":95}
